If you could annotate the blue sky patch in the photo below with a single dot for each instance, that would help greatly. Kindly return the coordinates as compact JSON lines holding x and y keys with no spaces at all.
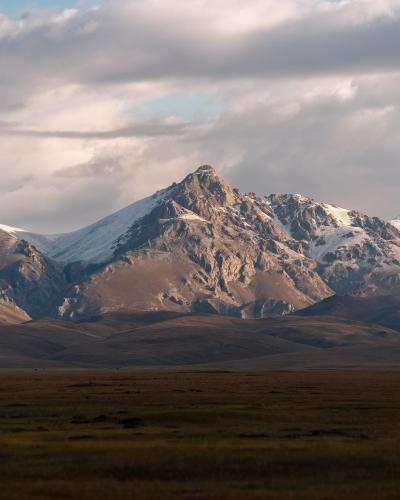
{"x":17,"y":7}
{"x":203,"y":106}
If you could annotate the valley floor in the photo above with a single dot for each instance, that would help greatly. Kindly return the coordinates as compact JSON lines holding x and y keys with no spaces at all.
{"x":200,"y":435}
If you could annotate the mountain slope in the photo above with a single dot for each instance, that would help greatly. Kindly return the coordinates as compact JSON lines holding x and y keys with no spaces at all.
{"x":92,"y":244}
{"x":30,"y":283}
{"x":97,"y":242}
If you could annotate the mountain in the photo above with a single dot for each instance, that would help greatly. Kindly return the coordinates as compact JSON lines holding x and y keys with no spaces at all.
{"x":202,"y":246}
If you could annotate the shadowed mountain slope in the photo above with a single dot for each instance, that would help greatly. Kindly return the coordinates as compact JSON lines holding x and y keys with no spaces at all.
{"x":383,"y":310}
{"x":197,"y":341}
{"x":31,"y":284}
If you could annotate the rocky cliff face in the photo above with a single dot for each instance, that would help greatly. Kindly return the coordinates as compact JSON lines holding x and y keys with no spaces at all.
{"x":354,"y":253}
{"x":201,"y":245}
{"x":28,"y":280}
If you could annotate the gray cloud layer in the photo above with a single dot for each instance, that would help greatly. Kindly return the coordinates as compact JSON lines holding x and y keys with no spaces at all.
{"x":307,"y":91}
{"x":121,"y":44}
{"x":151,"y":128}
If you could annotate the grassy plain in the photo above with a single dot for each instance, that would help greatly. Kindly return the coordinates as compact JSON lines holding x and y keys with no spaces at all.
{"x":200,"y":435}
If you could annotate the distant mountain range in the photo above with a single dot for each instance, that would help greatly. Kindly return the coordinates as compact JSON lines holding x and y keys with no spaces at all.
{"x":200,"y":246}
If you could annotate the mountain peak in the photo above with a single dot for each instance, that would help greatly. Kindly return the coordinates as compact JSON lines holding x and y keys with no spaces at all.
{"x":206,"y":169}
{"x":203,"y":189}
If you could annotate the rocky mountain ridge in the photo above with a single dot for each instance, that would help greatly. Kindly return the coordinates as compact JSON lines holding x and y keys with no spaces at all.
{"x":201,"y":245}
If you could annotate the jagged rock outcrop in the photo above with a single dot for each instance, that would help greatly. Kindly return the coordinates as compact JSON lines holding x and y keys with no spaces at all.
{"x":29,"y":281}
{"x":354,"y":253}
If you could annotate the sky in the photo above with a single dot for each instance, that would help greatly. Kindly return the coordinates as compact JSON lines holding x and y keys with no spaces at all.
{"x":16,"y":8}
{"x":103,"y":103}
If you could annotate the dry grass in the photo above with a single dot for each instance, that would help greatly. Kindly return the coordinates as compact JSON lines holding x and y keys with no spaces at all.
{"x":220,"y":435}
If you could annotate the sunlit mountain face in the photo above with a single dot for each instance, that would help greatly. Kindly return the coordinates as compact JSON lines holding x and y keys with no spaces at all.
{"x":202,"y":245}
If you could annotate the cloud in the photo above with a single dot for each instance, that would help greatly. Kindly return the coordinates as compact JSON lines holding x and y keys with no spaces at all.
{"x":107,"y":166}
{"x":151,"y":128}
{"x":304,"y":98}
{"x":149,"y":40}
{"x":339,"y":150}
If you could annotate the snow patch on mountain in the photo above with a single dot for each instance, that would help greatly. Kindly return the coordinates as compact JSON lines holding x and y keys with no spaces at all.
{"x":192,"y":216}
{"x":14,"y":231}
{"x":41,"y":241}
{"x":187,"y":216}
{"x":341,"y":215}
{"x":396,"y":223}
{"x":97,"y":242}
{"x":331,"y":238}
{"x":285,"y":228}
